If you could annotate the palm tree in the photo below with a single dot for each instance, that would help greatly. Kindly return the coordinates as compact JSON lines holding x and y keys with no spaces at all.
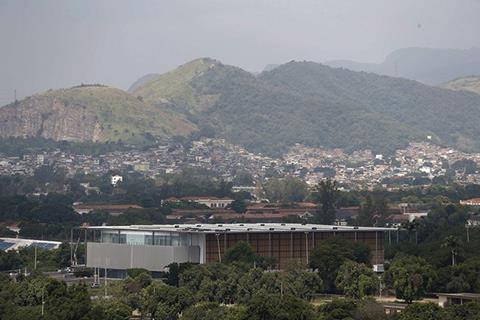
{"x":410,"y":227}
{"x":453,"y":243}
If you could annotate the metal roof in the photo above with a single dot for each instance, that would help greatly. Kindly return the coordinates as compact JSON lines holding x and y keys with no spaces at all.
{"x":460,"y":295}
{"x":239,"y":228}
{"x":8,"y":244}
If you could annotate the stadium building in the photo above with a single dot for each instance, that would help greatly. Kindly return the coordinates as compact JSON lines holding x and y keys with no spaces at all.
{"x":153,"y":247}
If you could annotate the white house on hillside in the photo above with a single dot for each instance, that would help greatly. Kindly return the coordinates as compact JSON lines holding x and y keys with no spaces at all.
{"x":116,"y":179}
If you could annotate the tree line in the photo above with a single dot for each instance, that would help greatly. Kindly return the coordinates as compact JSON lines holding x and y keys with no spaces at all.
{"x":241,"y":287}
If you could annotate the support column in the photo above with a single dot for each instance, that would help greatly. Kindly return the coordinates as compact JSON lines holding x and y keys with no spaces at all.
{"x":306,"y":247}
{"x":86,"y":238}
{"x":218,"y":247}
{"x":224,"y":242}
{"x":291,"y":245}
{"x":270,"y":244}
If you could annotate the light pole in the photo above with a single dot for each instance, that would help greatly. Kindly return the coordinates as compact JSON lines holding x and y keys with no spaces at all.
{"x":35,"y":259}
{"x":43,"y":301}
{"x":468,"y":232}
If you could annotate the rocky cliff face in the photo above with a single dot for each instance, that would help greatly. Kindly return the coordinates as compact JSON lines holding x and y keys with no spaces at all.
{"x":89,"y":113}
{"x":51,"y":118}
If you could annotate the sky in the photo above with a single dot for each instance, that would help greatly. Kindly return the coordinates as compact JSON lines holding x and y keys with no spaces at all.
{"x":48,"y":44}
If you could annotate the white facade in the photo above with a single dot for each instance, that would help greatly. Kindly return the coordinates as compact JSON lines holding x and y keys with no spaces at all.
{"x":215,"y":203}
{"x":116,"y":179}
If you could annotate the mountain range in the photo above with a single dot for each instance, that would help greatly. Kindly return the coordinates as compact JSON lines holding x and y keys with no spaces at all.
{"x":427,"y":65}
{"x":297,"y":102}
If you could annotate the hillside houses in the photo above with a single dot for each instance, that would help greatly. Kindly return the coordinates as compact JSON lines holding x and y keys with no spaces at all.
{"x":420,"y":163}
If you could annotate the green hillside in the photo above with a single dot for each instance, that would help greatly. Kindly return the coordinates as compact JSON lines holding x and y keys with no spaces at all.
{"x":89,"y":113}
{"x":309,"y":103}
{"x":450,"y":117}
{"x":175,"y":88}
{"x":471,"y":83}
{"x":298,"y":102}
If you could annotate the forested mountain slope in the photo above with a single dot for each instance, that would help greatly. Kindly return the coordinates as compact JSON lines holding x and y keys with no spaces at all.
{"x":298,"y":102}
{"x":309,"y":103}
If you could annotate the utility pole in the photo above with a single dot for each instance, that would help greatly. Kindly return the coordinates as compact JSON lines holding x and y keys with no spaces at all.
{"x":35,"y":259}
{"x":43,"y":302}
{"x":71,"y":247}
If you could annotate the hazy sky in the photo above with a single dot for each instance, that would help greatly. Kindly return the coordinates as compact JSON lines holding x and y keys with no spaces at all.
{"x":59,"y":43}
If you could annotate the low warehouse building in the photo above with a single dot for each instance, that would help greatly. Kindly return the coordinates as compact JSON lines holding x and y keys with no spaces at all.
{"x":153,"y":247}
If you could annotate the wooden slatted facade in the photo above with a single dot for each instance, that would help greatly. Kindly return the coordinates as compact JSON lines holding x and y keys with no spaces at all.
{"x":287,"y":246}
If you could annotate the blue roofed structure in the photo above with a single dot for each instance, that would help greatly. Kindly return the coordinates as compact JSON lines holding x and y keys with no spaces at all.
{"x":7,"y":244}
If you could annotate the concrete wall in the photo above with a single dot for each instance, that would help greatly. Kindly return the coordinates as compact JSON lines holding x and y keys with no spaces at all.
{"x":124,"y":256}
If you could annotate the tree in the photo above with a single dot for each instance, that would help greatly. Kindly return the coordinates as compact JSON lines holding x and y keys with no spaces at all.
{"x":213,"y":311}
{"x":369,"y":309}
{"x":285,"y":190}
{"x":62,"y":255}
{"x":115,"y":310}
{"x":66,"y":303}
{"x":411,"y":226}
{"x":298,"y":281}
{"x":243,"y":178}
{"x":356,"y":280}
{"x":453,"y":244}
{"x":165,"y":302}
{"x":44,"y":174}
{"x":466,"y":311}
{"x":338,"y":309}
{"x":367,"y":211}
{"x":326,"y":195}
{"x":266,"y":306}
{"x":373,"y":210}
{"x":174,"y":272}
{"x":410,"y":276}
{"x":327,"y":259}
{"x":239,"y":206}
{"x":10,"y":260}
{"x":240,"y":252}
{"x":424,"y":311}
